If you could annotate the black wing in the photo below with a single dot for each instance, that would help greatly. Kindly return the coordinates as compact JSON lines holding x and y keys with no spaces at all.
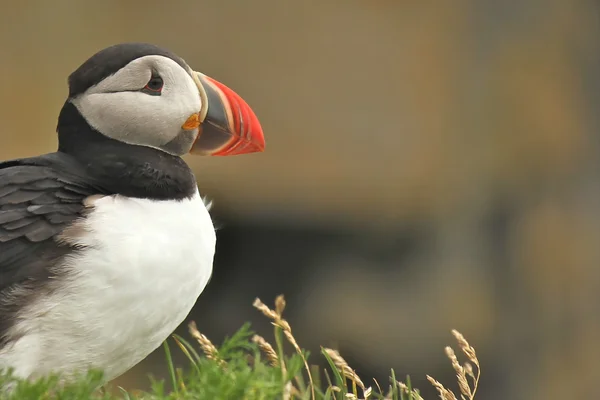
{"x":39,"y":197}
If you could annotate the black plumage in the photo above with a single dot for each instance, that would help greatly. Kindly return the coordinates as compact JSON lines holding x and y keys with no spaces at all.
{"x":36,"y":203}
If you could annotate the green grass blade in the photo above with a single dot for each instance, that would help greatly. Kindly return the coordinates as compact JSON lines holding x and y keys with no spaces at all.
{"x":189,"y":347}
{"x":316,"y":375}
{"x":171,"y":367}
{"x":340,"y":380}
{"x":396,"y":392}
{"x":187,"y":353}
{"x":126,"y":395}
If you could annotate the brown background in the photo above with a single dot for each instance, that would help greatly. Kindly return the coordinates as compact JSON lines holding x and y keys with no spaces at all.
{"x":429,"y":165}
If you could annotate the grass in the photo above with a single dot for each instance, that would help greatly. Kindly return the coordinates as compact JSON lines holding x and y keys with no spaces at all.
{"x":246,"y":366}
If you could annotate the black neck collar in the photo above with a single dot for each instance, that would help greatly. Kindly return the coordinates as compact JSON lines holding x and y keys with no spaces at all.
{"x":120,"y":168}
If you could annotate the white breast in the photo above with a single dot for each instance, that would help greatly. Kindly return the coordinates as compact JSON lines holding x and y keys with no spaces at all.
{"x":144,"y":265}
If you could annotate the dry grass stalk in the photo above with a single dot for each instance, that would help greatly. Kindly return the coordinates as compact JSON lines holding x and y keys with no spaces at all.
{"x":262,"y":307}
{"x":412,"y":394}
{"x":445,"y":394}
{"x":377,"y":384}
{"x":267,"y":349}
{"x":462,"y":371}
{"x":469,"y":351}
{"x":293,"y":391}
{"x":344,"y":368}
{"x":461,"y":375}
{"x":288,"y":389}
{"x":206,"y":345}
{"x":278,"y":321}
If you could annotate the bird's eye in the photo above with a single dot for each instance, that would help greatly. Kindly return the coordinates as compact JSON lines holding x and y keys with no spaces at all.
{"x":154,"y":86}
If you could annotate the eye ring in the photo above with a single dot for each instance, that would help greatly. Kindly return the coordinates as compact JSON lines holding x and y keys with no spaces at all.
{"x":154,"y":86}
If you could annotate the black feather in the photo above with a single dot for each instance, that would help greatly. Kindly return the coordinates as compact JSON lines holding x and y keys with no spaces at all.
{"x":20,"y":223}
{"x":10,"y":216}
{"x":36,"y":204}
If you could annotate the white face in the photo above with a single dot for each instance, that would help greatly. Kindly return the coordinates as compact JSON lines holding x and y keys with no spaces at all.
{"x":125,"y":106}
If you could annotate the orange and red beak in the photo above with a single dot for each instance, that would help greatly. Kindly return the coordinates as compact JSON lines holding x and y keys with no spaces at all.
{"x":228,"y":126}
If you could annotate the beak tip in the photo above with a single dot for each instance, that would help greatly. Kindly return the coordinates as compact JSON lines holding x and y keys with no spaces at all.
{"x":258,"y":148}
{"x":257,"y":140}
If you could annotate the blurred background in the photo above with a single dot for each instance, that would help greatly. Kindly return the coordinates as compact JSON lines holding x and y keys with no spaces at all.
{"x":429,"y":166}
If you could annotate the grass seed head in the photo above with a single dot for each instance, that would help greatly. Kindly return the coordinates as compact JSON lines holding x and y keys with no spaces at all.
{"x":465,"y":347}
{"x":286,"y":329}
{"x":262,"y":307}
{"x":206,"y":345}
{"x":469,"y":369}
{"x":279,"y":304}
{"x":461,"y":375}
{"x":267,"y":349}
{"x":344,"y":368}
{"x":445,"y":394}
{"x":412,"y":394}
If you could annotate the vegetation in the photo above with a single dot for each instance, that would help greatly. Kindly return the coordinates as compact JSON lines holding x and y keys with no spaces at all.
{"x":248,"y":367}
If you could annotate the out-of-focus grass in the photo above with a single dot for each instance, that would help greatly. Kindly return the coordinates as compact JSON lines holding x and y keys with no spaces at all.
{"x":248,"y":367}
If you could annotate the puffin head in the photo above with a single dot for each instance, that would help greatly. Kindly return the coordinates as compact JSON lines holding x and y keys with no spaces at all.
{"x":143,"y":95}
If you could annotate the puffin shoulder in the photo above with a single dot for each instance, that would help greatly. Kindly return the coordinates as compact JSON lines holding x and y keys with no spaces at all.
{"x":39,"y":198}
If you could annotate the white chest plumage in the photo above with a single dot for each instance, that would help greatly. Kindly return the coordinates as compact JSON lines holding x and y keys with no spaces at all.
{"x":144,"y":265}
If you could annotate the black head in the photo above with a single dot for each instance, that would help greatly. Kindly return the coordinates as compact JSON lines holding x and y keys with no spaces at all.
{"x":110,"y":60}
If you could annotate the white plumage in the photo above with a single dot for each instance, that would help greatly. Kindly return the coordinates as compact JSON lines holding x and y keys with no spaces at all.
{"x":144,"y":264}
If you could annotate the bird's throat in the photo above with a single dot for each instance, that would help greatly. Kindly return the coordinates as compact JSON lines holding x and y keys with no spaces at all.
{"x":121,"y":168}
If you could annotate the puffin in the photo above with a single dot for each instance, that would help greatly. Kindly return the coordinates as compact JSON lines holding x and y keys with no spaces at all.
{"x":106,"y":244}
